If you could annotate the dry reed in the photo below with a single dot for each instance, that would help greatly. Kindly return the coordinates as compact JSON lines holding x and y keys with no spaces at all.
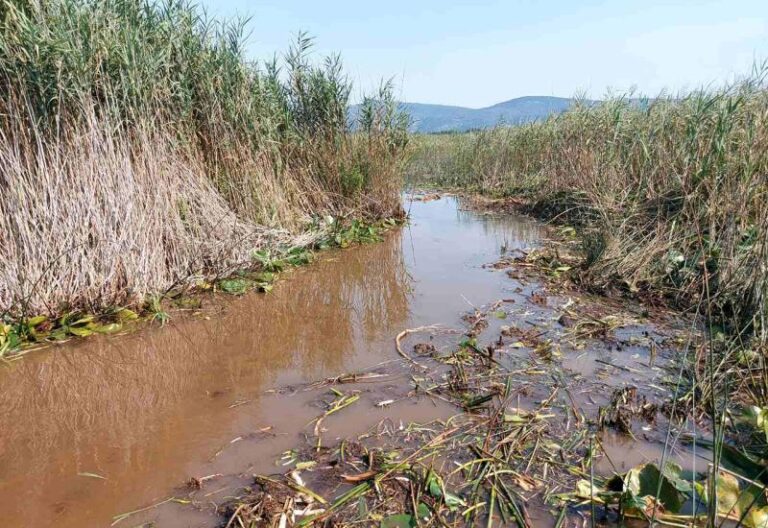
{"x":139,"y":149}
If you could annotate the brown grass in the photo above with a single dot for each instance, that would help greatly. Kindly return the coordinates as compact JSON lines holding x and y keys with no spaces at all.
{"x":147,"y":151}
{"x":669,"y":198}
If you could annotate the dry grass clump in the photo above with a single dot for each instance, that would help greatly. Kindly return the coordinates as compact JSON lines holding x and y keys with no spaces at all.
{"x":139,"y":148}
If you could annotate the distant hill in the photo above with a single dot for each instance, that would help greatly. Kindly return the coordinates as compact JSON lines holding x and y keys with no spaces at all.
{"x":430,"y":118}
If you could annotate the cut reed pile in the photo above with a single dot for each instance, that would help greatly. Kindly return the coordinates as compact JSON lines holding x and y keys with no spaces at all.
{"x":670,"y":196}
{"x":138,"y":148}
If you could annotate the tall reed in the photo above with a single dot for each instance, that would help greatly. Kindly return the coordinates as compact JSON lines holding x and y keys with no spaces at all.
{"x":671,"y":197}
{"x":139,"y":147}
{"x":673,"y":188}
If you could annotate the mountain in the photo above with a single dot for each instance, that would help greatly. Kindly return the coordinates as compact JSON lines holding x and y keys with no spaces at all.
{"x":430,"y":118}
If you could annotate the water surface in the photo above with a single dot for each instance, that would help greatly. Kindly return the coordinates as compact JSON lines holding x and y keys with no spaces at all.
{"x":147,"y":411}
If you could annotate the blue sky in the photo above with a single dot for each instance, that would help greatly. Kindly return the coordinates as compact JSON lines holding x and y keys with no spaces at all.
{"x":480,"y":53}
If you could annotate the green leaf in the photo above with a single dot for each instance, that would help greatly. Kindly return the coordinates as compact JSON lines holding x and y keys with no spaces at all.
{"x":37,"y":320}
{"x":107,"y":328}
{"x":728,"y":495}
{"x":80,"y":331}
{"x":733,"y":501}
{"x":264,"y":276}
{"x":757,"y":518}
{"x":436,"y":489}
{"x":759,"y":417}
{"x":124,"y":314}
{"x":678,"y":478}
{"x":646,"y":480}
{"x":60,"y":334}
{"x":453,"y":501}
{"x":234,"y":286}
{"x":10,"y":340}
{"x":737,"y":461}
{"x":265,"y":287}
{"x":586,"y":491}
{"x":362,"y":507}
{"x":433,"y":483}
{"x":83,"y":321}
{"x":402,"y":520}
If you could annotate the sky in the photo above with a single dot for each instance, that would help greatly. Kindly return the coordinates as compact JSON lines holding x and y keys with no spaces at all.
{"x":480,"y":53}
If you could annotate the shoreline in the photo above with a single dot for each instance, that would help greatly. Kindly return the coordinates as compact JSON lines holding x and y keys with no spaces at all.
{"x":19,"y":336}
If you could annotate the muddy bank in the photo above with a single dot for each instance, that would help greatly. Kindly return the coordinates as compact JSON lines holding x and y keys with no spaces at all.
{"x":20,"y":336}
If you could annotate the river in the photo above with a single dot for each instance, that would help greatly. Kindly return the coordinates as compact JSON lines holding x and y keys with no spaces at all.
{"x":94,"y":428}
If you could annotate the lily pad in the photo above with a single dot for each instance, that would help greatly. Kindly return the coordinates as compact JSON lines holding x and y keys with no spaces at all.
{"x":80,"y":331}
{"x":647,"y":480}
{"x":756,"y":518}
{"x":36,"y":321}
{"x":108,"y":328}
{"x":234,"y":286}
{"x":735,"y":501}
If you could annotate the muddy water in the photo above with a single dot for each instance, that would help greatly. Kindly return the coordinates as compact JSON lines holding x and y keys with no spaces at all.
{"x":94,"y":429}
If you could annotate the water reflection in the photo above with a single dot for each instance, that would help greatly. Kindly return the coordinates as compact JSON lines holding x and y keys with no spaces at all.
{"x":147,"y":411}
{"x":128,"y":408}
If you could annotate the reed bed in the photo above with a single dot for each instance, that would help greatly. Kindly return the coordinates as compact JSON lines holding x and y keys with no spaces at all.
{"x":674,"y":188}
{"x":139,"y":149}
{"x":669,"y":198}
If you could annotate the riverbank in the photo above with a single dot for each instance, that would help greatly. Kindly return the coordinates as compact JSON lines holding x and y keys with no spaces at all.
{"x":18,"y":338}
{"x":665,"y":202}
{"x":147,"y":154}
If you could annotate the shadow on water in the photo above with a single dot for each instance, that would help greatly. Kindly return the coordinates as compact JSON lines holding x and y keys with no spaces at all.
{"x":149,"y":410}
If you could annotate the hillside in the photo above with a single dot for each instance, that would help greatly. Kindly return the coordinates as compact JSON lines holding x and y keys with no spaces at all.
{"x":430,"y":118}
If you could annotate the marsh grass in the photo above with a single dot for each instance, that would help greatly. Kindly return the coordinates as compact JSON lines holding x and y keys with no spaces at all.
{"x":675,"y":187}
{"x":670,"y":197}
{"x":138,"y":148}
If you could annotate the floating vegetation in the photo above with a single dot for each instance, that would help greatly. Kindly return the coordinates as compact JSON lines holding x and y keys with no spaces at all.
{"x":16,"y":338}
{"x":647,"y":493}
{"x":526,"y":438}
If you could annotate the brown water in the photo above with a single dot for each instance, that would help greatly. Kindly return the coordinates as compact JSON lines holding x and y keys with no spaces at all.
{"x":147,"y":411}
